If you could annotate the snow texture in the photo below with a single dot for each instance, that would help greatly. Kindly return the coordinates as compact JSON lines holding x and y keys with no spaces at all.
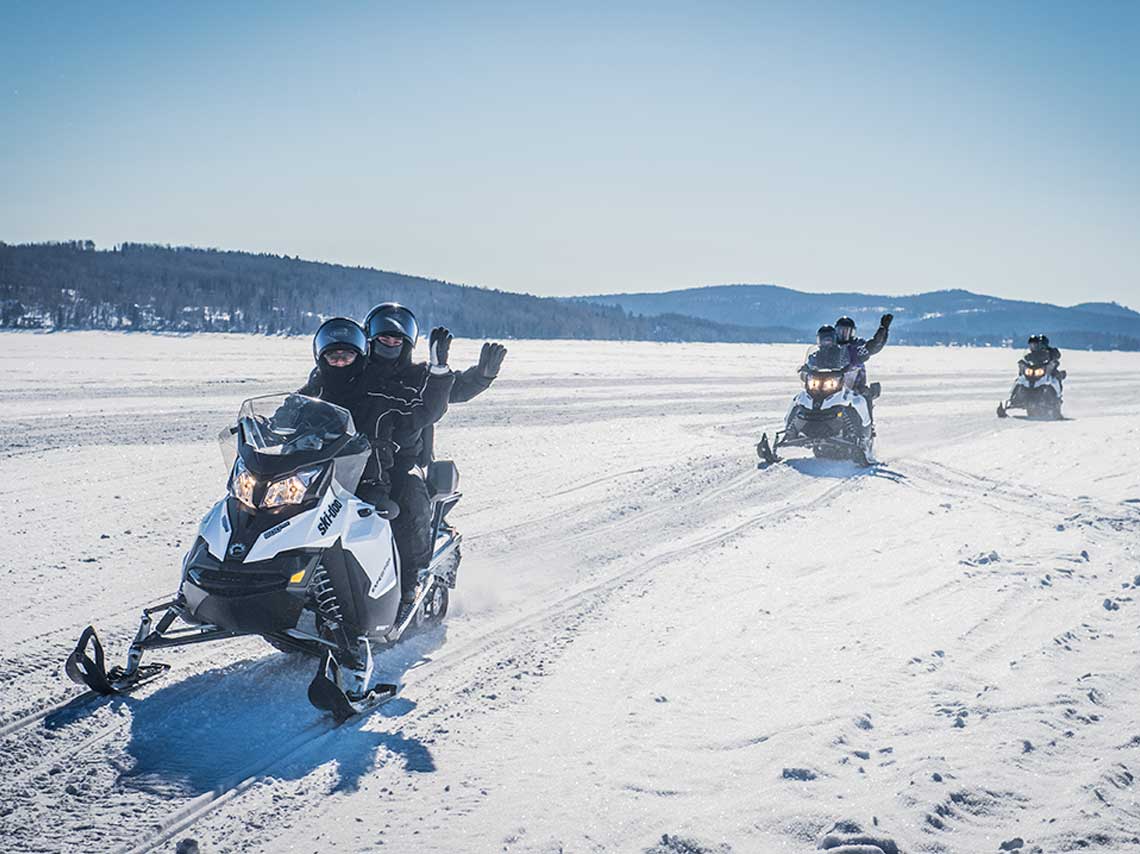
{"x":654,"y":645}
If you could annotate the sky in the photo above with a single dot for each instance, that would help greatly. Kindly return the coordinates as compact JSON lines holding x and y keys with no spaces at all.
{"x":557,"y":149}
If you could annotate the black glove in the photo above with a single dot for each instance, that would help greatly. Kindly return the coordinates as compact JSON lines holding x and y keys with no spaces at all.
{"x":491,"y":359}
{"x":440,"y":346}
{"x":885,"y":321}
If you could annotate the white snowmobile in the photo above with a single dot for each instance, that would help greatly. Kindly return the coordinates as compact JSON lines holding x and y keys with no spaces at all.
{"x":293,"y":555}
{"x":1037,"y":389}
{"x":830,"y":415}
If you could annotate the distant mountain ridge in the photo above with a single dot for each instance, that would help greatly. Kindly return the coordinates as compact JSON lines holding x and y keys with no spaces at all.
{"x":951,"y":316}
{"x":72,"y":285}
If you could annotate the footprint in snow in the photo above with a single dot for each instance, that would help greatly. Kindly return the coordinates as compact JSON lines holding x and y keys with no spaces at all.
{"x":982,"y":559}
{"x":848,"y":837}
{"x":671,"y":844}
{"x":799,"y":774}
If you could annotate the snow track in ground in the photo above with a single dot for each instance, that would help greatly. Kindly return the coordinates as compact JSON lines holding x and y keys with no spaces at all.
{"x":653,"y":646}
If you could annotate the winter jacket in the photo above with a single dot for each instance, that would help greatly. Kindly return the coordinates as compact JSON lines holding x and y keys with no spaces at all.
{"x":468,"y":384}
{"x":391,"y":407}
{"x":860,"y":350}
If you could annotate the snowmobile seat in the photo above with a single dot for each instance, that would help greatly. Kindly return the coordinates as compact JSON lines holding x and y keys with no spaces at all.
{"x":442,"y":478}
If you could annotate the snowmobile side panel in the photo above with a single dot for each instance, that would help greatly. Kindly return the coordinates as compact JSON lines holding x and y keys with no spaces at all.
{"x":360,"y":612}
{"x":370,"y":541}
{"x":215,"y":530}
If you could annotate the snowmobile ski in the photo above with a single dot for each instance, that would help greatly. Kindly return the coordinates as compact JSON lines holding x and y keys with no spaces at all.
{"x":90,"y":669}
{"x":764,"y":450}
{"x":1002,"y":411}
{"x":326,"y":694}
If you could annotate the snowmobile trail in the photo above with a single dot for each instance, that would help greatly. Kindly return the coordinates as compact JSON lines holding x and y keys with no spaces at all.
{"x":653,"y":647}
{"x":526,"y":639}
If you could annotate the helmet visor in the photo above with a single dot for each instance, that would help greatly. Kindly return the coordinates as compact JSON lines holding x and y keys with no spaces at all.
{"x":393,"y":320}
{"x":339,"y":333}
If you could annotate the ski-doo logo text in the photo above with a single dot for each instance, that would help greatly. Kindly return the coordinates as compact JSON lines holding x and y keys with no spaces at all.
{"x":326,"y":520}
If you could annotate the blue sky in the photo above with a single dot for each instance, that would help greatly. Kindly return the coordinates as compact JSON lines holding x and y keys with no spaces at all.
{"x":585,"y":148}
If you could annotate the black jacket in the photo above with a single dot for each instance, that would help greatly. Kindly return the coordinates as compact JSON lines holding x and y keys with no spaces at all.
{"x":468,"y":384}
{"x":391,"y":405}
{"x":861,"y":350}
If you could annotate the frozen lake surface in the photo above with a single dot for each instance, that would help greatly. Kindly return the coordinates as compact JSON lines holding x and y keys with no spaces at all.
{"x":654,"y":645}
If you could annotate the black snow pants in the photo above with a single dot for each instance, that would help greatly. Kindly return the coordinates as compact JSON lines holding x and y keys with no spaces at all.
{"x":412,"y":528}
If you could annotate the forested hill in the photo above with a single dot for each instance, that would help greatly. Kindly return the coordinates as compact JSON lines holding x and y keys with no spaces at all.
{"x":145,"y":287}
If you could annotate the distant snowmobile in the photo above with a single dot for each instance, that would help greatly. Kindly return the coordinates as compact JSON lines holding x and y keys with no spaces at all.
{"x":829,"y":416}
{"x":291,"y":554}
{"x":1037,"y":389}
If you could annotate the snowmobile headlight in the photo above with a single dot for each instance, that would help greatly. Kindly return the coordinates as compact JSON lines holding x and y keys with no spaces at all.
{"x":291,"y":489}
{"x":242,"y":483}
{"x":824,"y":383}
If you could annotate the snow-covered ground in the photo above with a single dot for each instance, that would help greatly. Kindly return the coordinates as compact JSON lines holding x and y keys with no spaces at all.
{"x":654,"y":647}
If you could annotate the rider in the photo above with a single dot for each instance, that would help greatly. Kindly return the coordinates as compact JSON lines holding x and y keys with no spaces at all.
{"x":1040,"y":344}
{"x":824,"y":337}
{"x":382,"y":407}
{"x":392,"y":331}
{"x":859,"y":349}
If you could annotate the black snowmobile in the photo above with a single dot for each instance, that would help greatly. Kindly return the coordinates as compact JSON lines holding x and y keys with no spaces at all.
{"x":293,"y":555}
{"x":1037,"y":390}
{"x":830,"y":415}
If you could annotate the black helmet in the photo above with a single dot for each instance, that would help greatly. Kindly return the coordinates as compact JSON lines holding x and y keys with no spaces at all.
{"x":391,"y":318}
{"x":825,"y":332}
{"x":844,"y":329}
{"x":339,"y":333}
{"x":1037,"y":341}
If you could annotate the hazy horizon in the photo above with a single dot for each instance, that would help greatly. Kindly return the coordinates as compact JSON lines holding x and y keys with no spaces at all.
{"x":597,"y":293}
{"x":885,"y":148}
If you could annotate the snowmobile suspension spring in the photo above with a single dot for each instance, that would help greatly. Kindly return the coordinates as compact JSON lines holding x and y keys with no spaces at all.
{"x":326,"y":597}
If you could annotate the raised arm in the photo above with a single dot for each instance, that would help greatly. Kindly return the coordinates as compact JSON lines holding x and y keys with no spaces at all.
{"x":879,"y":339}
{"x":478,"y":378}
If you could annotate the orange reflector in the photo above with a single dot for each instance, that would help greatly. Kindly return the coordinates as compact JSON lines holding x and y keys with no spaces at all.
{"x":297,"y":577}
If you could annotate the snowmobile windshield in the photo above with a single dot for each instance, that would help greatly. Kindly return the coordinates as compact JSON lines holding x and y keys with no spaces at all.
{"x":279,"y":435}
{"x":829,"y":357}
{"x":284,"y":424}
{"x":1036,"y":358}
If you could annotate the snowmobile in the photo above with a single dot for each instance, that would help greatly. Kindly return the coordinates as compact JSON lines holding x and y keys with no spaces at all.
{"x":1037,"y":389}
{"x":293,"y":555}
{"x":830,"y":416}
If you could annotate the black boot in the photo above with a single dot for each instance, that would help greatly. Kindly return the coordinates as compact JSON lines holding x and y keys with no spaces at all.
{"x":404,"y":611}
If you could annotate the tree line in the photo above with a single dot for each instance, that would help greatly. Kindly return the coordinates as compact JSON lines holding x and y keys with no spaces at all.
{"x":136,"y":286}
{"x":145,"y":287}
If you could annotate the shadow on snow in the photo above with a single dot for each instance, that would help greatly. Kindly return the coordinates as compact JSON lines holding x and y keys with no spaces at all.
{"x":212,"y":730}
